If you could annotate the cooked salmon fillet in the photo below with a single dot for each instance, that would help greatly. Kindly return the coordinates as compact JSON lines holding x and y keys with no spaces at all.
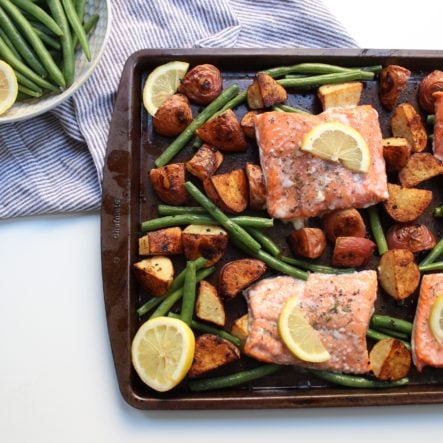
{"x":339,"y":307}
{"x":300,"y":185}
{"x":426,"y":349}
{"x":438,"y":126}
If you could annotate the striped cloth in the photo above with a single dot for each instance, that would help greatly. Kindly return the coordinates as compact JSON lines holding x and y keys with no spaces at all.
{"x":53,"y":163}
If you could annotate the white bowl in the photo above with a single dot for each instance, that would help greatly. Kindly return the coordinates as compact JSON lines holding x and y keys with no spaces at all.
{"x":28,"y":108}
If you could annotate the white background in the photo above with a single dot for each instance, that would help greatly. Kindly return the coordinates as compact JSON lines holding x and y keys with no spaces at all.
{"x":57,"y":381}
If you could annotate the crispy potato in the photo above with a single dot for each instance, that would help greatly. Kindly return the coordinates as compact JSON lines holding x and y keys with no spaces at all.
{"x":308,"y":242}
{"x":239,"y":274}
{"x":393,"y":81}
{"x":398,"y":274}
{"x":204,"y":241}
{"x":343,"y":223}
{"x":390,"y":359}
{"x":208,"y":306}
{"x":166,"y":241}
{"x":265,"y":92}
{"x":202,"y":84}
{"x":412,"y":236}
{"x":240,"y":328}
{"x":396,"y":152}
{"x":420,"y":167}
{"x":247,"y":123}
{"x":340,"y":94}
{"x":430,"y":84}
{"x":224,"y":132}
{"x":212,"y":352}
{"x":173,"y":116}
{"x":212,"y":194}
{"x":406,"y":204}
{"x":155,"y":274}
{"x":257,"y":188}
{"x":232,"y":190}
{"x":352,"y":252}
{"x":205,"y":162}
{"x":168,"y":183}
{"x":406,"y":122}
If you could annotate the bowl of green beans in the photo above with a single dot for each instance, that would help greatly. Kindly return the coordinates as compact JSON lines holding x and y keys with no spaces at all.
{"x":53,"y":47}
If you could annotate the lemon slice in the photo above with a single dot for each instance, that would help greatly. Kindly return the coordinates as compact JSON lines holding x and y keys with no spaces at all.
{"x":161,"y":83}
{"x":162,"y":352}
{"x":337,"y":142}
{"x":436,"y":318}
{"x":8,"y":87}
{"x":299,"y":336}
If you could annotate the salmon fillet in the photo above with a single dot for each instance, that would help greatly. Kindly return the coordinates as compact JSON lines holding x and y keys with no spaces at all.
{"x":437,"y":146}
{"x":426,"y":349}
{"x":339,"y":307}
{"x":300,"y":185}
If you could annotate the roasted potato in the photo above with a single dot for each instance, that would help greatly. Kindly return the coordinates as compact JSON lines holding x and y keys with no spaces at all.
{"x":308,"y":242}
{"x":238,"y":275}
{"x":340,"y":94}
{"x":265,"y":92}
{"x":406,"y":122}
{"x":257,"y":188}
{"x":247,"y":123}
{"x":173,"y":116}
{"x":390,"y":359}
{"x":420,"y":167}
{"x":352,"y":252}
{"x":208,"y":306}
{"x":202,"y":84}
{"x":212,"y":352}
{"x":406,"y":204}
{"x":224,"y":132}
{"x":398,"y":274}
{"x":412,"y":236}
{"x":343,"y":223}
{"x":393,"y":81}
{"x":205,"y":162}
{"x":205,"y":241}
{"x":155,"y":274}
{"x":168,"y":183}
{"x":232,"y":190}
{"x":166,"y":241}
{"x":240,"y":328}
{"x":433,"y":82}
{"x":396,"y":152}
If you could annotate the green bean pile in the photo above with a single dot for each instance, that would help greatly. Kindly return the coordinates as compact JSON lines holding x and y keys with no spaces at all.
{"x":38,"y":39}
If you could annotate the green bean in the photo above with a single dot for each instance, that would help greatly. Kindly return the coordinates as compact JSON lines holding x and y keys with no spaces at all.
{"x":198,"y":326}
{"x":435,"y":252}
{"x":28,"y":91}
{"x":287,"y":108}
{"x":20,"y":43}
{"x":169,"y":301}
{"x":436,"y":266}
{"x":394,"y":334}
{"x":265,"y":241}
{"x":24,"y":81}
{"x":76,"y":25}
{"x":392,"y":323}
{"x":80,"y":7}
{"x":58,"y":13}
{"x":430,"y":120}
{"x":377,"y":230}
{"x":45,"y":38}
{"x":8,"y":42}
{"x":322,"y":79}
{"x":376,"y":335}
{"x":189,"y":288}
{"x":29,"y":32}
{"x":228,"y":381}
{"x":314,"y":267}
{"x":180,"y":210}
{"x":191,"y":219}
{"x":18,"y":66}
{"x":235,"y":231}
{"x":438,"y":212}
{"x":88,"y":27}
{"x":178,"y":144}
{"x":39,"y":14}
{"x":353,"y":381}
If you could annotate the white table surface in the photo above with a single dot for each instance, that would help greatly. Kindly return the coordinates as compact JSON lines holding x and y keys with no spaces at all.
{"x":57,"y":380}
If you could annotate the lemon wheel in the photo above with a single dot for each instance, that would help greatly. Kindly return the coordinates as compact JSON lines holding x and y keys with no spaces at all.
{"x":436,"y":318}
{"x":8,"y":87}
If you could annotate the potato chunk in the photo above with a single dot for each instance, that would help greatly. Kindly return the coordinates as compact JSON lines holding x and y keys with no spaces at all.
{"x":173,"y":116}
{"x":265,"y":92}
{"x":352,"y":252}
{"x":390,"y":359}
{"x":340,"y":94}
{"x":212,"y":352}
{"x":155,"y":274}
{"x":396,"y":152}
{"x":205,"y":162}
{"x":420,"y":167}
{"x":393,"y":81}
{"x":168,"y":183}
{"x":343,"y":223}
{"x":308,"y":242}
{"x":166,"y":241}
{"x":208,"y":306}
{"x":406,"y":122}
{"x":231,"y":190}
{"x":248,"y":124}
{"x":406,"y":204}
{"x":240,"y":328}
{"x":257,"y":187}
{"x":398,"y":274}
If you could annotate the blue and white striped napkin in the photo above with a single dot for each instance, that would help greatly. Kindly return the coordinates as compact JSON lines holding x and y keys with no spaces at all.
{"x":53,"y":163}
